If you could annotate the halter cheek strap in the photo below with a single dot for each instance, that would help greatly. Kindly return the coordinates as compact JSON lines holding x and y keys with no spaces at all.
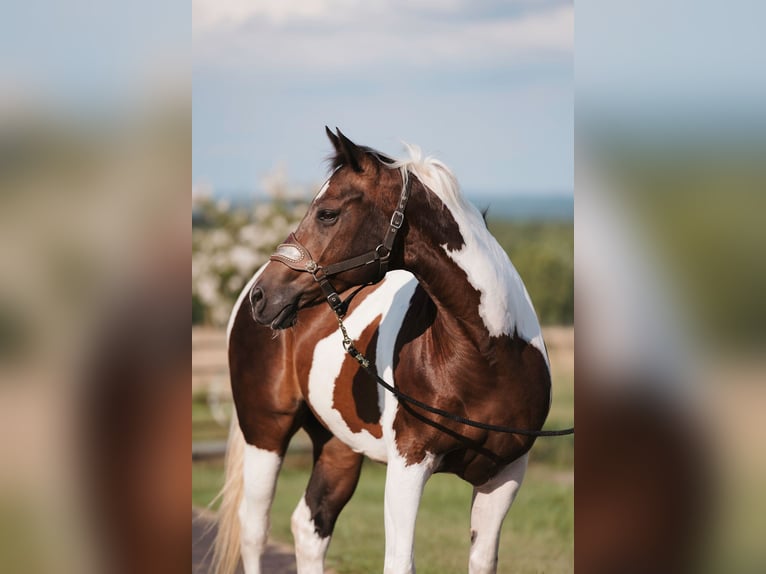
{"x":297,"y":257}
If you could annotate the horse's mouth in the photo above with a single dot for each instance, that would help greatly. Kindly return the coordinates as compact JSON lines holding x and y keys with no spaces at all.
{"x":285,"y":318}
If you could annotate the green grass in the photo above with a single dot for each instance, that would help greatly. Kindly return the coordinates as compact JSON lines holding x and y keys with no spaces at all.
{"x":207,"y":479}
{"x":537,"y":536}
{"x":204,"y":426}
{"x":540,"y":521}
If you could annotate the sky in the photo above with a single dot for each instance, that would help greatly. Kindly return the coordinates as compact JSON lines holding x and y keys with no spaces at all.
{"x":668,"y":69}
{"x":485,"y":86}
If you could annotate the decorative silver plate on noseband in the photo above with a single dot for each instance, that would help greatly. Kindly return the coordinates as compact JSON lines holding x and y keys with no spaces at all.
{"x":290,"y":252}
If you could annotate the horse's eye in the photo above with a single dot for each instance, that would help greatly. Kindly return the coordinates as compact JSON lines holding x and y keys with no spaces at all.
{"x":327,"y":215}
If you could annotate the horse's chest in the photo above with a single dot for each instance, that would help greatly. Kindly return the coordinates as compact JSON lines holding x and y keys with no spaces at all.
{"x":344,"y":397}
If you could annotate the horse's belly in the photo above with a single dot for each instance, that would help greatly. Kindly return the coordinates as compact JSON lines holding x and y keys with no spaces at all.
{"x":345,"y":398}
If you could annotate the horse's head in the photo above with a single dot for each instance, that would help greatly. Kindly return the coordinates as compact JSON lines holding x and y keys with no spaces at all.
{"x":350,"y":220}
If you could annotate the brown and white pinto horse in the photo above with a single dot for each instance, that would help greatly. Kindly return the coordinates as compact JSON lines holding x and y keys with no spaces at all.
{"x":451,"y":325}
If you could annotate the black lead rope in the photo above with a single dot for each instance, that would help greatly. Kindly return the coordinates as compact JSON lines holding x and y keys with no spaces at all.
{"x":369,"y":367}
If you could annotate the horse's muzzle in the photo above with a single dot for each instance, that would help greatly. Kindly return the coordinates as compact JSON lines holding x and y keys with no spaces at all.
{"x":257,"y":300}
{"x":278,"y":312}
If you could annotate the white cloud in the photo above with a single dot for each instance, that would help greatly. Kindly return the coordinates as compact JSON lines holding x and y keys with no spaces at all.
{"x":210,"y":14}
{"x":215,"y":13}
{"x":342,"y":35}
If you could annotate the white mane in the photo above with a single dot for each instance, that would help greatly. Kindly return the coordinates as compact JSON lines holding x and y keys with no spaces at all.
{"x":435,"y":175}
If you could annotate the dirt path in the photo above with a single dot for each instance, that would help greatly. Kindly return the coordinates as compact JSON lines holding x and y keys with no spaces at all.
{"x":276,"y":560}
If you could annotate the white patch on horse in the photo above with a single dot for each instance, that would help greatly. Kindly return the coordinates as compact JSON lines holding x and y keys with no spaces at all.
{"x":259,"y":473}
{"x":322,"y":190}
{"x":388,"y":332}
{"x":326,"y":185}
{"x":404,"y":489}
{"x":504,"y":305}
{"x":490,"y":504}
{"x":242,"y":296}
{"x":310,"y":548}
{"x":391,"y":300}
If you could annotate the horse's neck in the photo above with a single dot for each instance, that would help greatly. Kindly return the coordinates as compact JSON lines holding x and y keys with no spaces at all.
{"x":470,"y":279}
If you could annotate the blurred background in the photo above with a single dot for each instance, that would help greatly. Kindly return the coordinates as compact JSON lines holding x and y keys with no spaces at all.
{"x":487,"y":87}
{"x":95,"y":172}
{"x":670,"y":276}
{"x":95,"y":145}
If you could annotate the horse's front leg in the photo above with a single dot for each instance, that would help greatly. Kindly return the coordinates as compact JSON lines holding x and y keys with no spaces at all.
{"x":404,"y":488}
{"x":332,"y":483}
{"x":490,"y":504}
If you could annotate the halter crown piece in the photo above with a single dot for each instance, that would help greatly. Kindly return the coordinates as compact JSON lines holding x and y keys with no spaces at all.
{"x":293,"y":254}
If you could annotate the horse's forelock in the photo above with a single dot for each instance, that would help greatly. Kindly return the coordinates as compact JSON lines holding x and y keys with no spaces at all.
{"x":337,"y":159}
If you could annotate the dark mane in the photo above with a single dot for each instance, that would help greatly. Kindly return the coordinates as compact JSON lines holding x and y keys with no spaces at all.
{"x":337,"y":159}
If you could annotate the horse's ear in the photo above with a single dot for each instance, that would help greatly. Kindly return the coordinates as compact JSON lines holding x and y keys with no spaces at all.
{"x":334,"y":140}
{"x":352,"y":154}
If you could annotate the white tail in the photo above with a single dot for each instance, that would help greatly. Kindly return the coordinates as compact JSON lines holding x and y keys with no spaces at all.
{"x":226,"y":551}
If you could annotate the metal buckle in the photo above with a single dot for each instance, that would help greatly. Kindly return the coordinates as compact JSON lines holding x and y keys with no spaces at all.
{"x":397,"y":219}
{"x":334,"y":300}
{"x":311,"y":266}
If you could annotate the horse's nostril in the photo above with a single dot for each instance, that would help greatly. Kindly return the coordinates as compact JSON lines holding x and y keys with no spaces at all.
{"x":257,"y":300}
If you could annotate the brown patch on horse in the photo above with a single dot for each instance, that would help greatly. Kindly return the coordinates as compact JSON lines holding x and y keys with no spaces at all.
{"x":266,"y":395}
{"x":333,"y":479}
{"x":508,"y":387}
{"x":438,"y":220}
{"x":356,"y":393}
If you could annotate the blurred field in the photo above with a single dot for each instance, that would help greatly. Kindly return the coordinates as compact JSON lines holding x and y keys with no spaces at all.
{"x":538,"y":533}
{"x":543,"y":254}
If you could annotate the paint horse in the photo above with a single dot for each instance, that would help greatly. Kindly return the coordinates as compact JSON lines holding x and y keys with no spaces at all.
{"x":451,"y":325}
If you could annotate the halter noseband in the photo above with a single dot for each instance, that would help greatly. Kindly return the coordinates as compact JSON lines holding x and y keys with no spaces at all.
{"x":297,"y":257}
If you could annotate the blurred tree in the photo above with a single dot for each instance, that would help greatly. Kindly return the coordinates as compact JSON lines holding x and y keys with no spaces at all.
{"x":543,"y":254}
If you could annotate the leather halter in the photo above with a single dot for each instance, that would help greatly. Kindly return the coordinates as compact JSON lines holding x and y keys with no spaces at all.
{"x":293,"y":254}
